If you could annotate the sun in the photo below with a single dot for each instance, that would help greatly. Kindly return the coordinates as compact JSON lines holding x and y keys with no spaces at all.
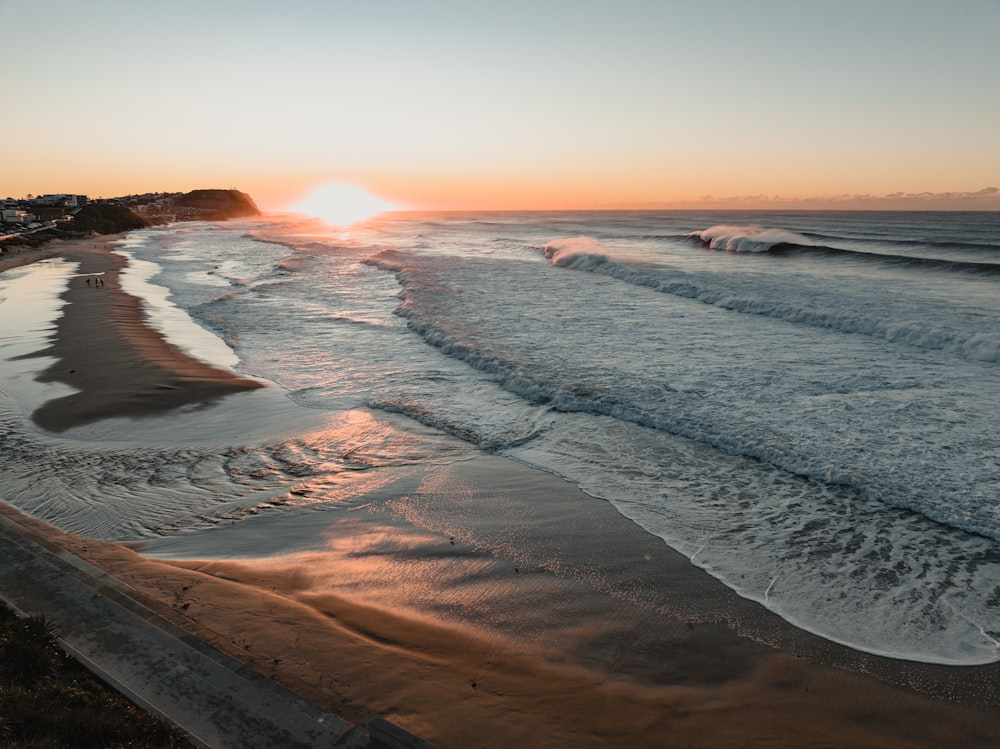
{"x":341,"y":204}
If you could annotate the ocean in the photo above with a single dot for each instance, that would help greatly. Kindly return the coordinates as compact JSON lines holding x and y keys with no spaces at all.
{"x":804,"y":404}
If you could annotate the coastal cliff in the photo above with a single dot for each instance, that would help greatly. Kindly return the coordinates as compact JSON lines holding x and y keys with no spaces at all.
{"x":104,"y":218}
{"x":214,"y":205}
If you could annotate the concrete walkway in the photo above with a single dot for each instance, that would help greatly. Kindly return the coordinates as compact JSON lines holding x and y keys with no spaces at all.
{"x":117,"y":633}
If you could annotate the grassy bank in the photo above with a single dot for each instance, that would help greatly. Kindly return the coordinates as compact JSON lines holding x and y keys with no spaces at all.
{"x":49,"y":701}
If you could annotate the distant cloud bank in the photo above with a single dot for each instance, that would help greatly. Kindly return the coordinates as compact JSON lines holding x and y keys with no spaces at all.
{"x":987,"y":199}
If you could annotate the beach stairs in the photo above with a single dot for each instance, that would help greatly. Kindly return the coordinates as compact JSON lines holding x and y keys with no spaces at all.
{"x":137,"y":646}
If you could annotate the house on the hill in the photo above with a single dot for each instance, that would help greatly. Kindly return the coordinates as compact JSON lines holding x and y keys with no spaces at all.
{"x":61,"y":200}
{"x":16,"y":216}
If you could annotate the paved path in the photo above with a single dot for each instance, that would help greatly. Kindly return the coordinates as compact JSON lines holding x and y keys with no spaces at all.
{"x":115,"y":631}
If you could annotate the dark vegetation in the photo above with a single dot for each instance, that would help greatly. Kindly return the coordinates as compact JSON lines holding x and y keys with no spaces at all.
{"x":105,"y":218}
{"x":49,"y":701}
{"x":217,"y":205}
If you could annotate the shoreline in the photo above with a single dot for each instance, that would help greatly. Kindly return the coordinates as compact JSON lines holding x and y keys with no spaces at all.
{"x":17,"y":256}
{"x":600,"y":636}
{"x":105,"y":350}
{"x":608,"y":680}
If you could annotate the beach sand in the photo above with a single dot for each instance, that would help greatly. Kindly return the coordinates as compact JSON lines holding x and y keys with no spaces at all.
{"x":486,"y":604}
{"x":105,"y":350}
{"x":16,"y":256}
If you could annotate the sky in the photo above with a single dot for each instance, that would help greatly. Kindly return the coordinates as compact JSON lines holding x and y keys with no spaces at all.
{"x":547,"y":104}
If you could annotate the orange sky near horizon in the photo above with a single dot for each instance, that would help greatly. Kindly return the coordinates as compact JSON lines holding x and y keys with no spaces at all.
{"x":570,"y":105}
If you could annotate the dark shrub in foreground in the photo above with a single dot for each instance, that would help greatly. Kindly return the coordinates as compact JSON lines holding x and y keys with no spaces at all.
{"x":49,"y":701}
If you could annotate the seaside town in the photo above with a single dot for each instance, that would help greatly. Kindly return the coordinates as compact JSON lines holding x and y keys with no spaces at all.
{"x":37,"y":212}
{"x":31,"y":214}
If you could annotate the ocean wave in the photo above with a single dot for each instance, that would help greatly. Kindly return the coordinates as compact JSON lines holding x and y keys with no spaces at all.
{"x":986,"y":249}
{"x":782,"y":242}
{"x":671,"y":412}
{"x":578,"y":253}
{"x":888,"y":259}
{"x":557,"y":369}
{"x":751,"y":238}
{"x":983,"y":346}
{"x":684,"y":412}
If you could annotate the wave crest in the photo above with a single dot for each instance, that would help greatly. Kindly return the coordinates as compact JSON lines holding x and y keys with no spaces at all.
{"x":578,"y":253}
{"x":751,"y":238}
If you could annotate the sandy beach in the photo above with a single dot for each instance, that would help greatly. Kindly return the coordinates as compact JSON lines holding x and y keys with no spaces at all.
{"x":521,"y":613}
{"x":120,"y":366}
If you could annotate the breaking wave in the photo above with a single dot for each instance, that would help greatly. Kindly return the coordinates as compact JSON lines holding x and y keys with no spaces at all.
{"x":578,"y":253}
{"x":747,"y":238}
{"x":975,"y":345}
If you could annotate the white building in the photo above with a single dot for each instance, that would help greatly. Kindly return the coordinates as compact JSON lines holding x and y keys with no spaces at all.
{"x":69,"y":201}
{"x":14,"y":216}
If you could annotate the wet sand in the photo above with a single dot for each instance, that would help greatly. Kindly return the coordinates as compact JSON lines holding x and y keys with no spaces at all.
{"x":488,"y":604}
{"x":16,"y":256}
{"x":105,"y":350}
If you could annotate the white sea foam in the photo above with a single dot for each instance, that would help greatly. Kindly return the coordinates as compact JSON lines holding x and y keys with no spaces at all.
{"x":164,"y":316}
